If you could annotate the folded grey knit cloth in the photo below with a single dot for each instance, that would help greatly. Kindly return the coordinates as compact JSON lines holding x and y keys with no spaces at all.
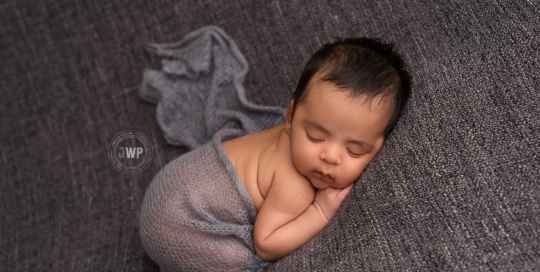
{"x":199,"y":90}
{"x":196,"y":214}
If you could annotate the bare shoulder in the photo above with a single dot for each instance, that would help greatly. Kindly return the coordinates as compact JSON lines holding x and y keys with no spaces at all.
{"x":289,"y":196}
{"x":290,"y":191}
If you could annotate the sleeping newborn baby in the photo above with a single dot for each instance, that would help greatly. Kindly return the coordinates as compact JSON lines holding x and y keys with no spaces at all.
{"x":243,"y":200}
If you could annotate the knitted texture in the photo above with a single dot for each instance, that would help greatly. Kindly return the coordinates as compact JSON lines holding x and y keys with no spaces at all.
{"x":197,"y":216}
{"x":199,"y":90}
{"x":456,"y":186}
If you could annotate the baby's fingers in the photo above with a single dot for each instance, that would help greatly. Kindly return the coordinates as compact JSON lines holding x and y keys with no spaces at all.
{"x":344,"y":192}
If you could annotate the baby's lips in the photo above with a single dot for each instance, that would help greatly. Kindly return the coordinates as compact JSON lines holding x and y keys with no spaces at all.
{"x":326,"y":174}
{"x":325,"y":177}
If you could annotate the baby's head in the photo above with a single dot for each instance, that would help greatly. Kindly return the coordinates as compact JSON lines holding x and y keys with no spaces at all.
{"x":349,"y":97}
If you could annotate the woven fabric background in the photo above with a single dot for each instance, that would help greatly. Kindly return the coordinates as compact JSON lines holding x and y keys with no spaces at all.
{"x":456,"y":187}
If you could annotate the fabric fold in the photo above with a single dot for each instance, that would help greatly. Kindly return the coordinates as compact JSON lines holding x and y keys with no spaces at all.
{"x":199,"y":90}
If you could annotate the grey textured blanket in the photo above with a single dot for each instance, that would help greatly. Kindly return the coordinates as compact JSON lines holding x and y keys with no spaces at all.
{"x":199,"y":90}
{"x":196,"y":214}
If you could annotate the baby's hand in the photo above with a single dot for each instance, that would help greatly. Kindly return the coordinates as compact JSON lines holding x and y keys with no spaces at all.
{"x":329,"y":200}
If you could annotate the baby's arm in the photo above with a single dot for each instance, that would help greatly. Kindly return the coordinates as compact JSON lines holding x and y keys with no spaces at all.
{"x":292,"y":214}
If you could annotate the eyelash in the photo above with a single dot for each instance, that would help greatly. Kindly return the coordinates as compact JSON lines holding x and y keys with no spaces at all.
{"x":318,"y":141}
{"x":312,"y":139}
{"x":353,"y":154}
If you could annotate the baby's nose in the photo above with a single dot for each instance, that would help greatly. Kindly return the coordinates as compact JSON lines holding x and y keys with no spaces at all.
{"x":331,"y":157}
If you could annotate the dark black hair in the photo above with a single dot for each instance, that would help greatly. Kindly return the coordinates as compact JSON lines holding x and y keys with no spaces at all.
{"x":361,"y":66}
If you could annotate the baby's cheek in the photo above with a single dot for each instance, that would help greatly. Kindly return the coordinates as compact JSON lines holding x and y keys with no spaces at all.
{"x":354,"y":171}
{"x":302,"y":156}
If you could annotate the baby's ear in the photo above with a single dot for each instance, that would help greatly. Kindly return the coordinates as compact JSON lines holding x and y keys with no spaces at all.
{"x":288,"y":118}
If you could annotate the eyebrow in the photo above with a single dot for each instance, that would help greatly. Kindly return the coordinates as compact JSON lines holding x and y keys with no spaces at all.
{"x":351,"y":140}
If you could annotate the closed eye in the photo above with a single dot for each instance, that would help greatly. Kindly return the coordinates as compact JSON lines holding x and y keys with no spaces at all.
{"x":354,"y":154}
{"x":313,"y":139}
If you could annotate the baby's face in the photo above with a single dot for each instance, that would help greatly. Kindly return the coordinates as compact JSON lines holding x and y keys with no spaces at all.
{"x":334,"y":137}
